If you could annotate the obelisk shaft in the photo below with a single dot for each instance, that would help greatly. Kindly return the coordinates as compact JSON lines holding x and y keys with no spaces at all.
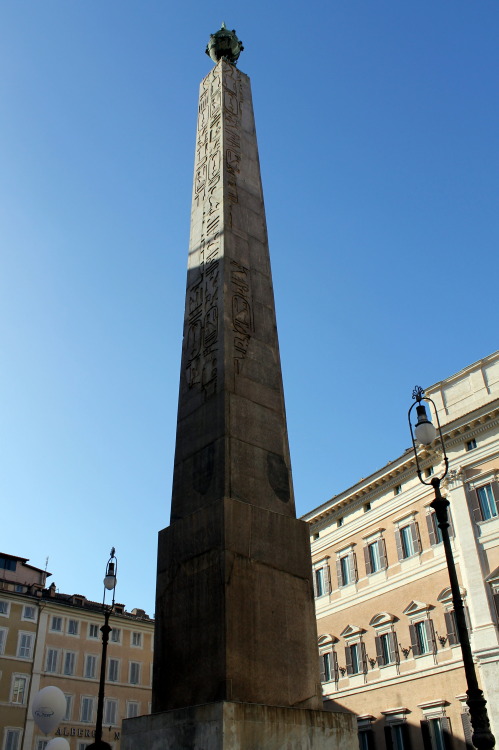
{"x":234,"y":612}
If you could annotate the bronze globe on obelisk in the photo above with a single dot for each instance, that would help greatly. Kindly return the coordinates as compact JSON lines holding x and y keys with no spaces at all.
{"x":236,"y":661}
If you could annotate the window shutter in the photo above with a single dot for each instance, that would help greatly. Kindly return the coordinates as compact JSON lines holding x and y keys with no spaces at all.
{"x":430,"y":634}
{"x":400,"y":551}
{"x":388,"y":738}
{"x":425,"y":733}
{"x":474,"y":505}
{"x":363,"y":656}
{"x":379,"y":651}
{"x":338,"y":572}
{"x":335,"y":666}
{"x":430,"y":521}
{"x":352,"y":561}
{"x":451,"y":525}
{"x":383,"y":559}
{"x":348,"y":658}
{"x":496,"y":602}
{"x":314,"y":582}
{"x":394,"y":648}
{"x":467,"y":618}
{"x":327,"y":579}
{"x":495,"y":492}
{"x":322,"y":668}
{"x":451,"y":628}
{"x":445,"y":724}
{"x":414,"y":640}
{"x":367,"y":560}
{"x":415,"y":536}
{"x":467,"y":730}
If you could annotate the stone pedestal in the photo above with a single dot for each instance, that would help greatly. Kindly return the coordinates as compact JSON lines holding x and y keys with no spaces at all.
{"x":241,"y":726}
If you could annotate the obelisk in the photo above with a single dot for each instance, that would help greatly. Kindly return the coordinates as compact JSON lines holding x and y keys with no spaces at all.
{"x":236,"y":661}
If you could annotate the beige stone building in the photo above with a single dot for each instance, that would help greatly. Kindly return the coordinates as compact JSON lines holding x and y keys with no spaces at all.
{"x":49,"y":638}
{"x":387,"y":638}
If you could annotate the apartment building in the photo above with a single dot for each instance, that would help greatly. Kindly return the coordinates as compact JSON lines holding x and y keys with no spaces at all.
{"x":388,"y":644}
{"x":50,"y":638}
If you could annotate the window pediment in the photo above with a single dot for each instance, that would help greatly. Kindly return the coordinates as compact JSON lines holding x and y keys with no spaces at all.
{"x":445,"y":596}
{"x":416,"y":608}
{"x":383,"y":618}
{"x":352,"y":630}
{"x":326,"y":639}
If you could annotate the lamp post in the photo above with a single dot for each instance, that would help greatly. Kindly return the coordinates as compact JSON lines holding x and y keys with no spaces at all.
{"x":109,"y":585}
{"x":425,"y":433}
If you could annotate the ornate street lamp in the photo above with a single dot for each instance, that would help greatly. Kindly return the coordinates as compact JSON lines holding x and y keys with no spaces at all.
{"x":109,"y":585}
{"x":425,"y":433}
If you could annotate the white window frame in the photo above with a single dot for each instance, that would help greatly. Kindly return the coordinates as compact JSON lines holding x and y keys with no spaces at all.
{"x":384,"y":625}
{"x":353,"y":636}
{"x":57,"y":652}
{"x":118,"y":668}
{"x":321,"y":577}
{"x":416,"y":548}
{"x":419,"y":613}
{"x":59,"y":619}
{"x":84,"y":701}
{"x":3,"y":639}
{"x":348,"y":554}
{"x":41,"y":744}
{"x":25,"y":678}
{"x":16,"y":732}
{"x":29,"y":634}
{"x":89,"y":634}
{"x":129,"y":705}
{"x":6,"y":613}
{"x":115,"y":635}
{"x":136,"y":635}
{"x":69,"y":707}
{"x":68,"y":653}
{"x":327,"y":649}
{"x":138,"y":664}
{"x":70,"y":623}
{"x":25,"y":616}
{"x":90,"y":658}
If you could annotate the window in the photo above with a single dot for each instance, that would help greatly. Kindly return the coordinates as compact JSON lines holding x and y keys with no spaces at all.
{"x":113,"y":670}
{"x":397,"y":490}
{"x":321,"y":580}
{"x":137,"y":639}
{"x":387,"y":649}
{"x":87,"y":709}
{"x":329,"y":666}
{"x":407,"y":540}
{"x":366,"y":739}
{"x":429,"y":472}
{"x":375,"y":556}
{"x":12,"y":739}
{"x":346,"y":568}
{"x":486,"y":507}
{"x":134,"y":673}
{"x":422,"y":637}
{"x":3,"y":638}
{"x":56,"y":624}
{"x":7,"y":564}
{"x":116,"y":635}
{"x":367,"y":506}
{"x":471,"y":444}
{"x":132,"y":709}
{"x":69,"y":662}
{"x":93,"y":630}
{"x":73,"y":627}
{"x":29,"y":613}
{"x":69,"y":708}
{"x":316,"y":536}
{"x":436,"y":734}
{"x":90,"y":665}
{"x":41,"y":744}
{"x":4,"y":608}
{"x":111,"y":709}
{"x":397,"y":737}
{"x":451,"y":625}
{"x":434,"y":531}
{"x":24,"y":645}
{"x":339,"y":522}
{"x":19,"y":689}
{"x":52,"y":660}
{"x":355,"y":655}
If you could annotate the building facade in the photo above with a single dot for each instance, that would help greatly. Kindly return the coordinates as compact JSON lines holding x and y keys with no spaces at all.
{"x":388,"y":644}
{"x":49,"y":638}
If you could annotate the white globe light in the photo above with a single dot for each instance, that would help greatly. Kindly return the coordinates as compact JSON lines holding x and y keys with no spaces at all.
{"x":110,"y":582}
{"x":425,"y":433}
{"x":48,"y":708}
{"x":58,"y":743}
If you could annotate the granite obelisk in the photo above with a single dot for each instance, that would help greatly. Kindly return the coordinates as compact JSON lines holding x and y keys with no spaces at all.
{"x":236,"y":643}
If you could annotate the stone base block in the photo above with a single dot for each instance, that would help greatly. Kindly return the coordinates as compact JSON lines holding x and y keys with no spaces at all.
{"x":241,"y":726}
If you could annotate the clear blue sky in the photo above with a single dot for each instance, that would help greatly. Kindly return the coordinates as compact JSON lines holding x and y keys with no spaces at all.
{"x":378,"y":130}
